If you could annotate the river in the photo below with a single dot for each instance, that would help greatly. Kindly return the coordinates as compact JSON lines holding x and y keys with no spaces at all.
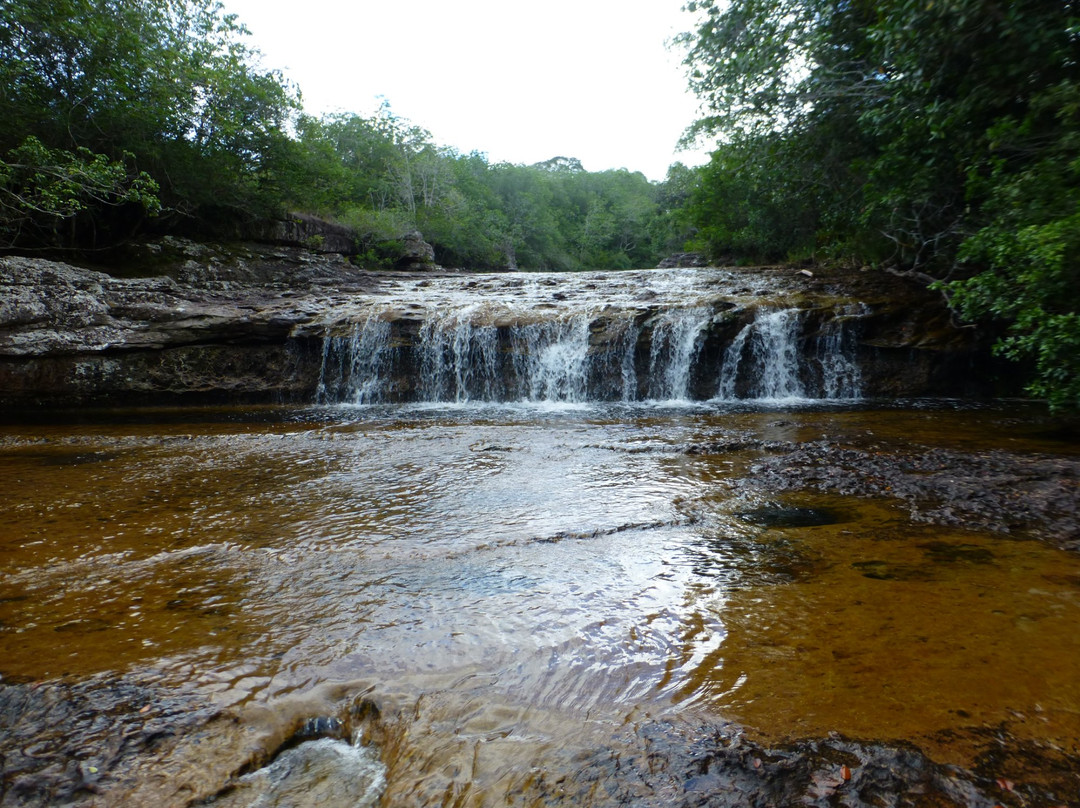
{"x":508,"y":603}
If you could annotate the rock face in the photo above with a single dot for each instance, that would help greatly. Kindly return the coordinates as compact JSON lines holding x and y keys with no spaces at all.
{"x":416,"y":254}
{"x":71,"y":336}
{"x":313,"y":233}
{"x":251,"y":324}
{"x":690,"y":259}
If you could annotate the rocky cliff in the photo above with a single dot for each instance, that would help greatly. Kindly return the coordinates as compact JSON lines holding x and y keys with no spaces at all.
{"x":213,"y":326}
{"x":248,"y":324}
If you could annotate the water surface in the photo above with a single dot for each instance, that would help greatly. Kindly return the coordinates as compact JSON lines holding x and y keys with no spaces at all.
{"x":514,"y":585}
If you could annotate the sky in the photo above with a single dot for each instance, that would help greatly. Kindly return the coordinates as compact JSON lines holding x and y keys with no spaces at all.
{"x":520,"y":81}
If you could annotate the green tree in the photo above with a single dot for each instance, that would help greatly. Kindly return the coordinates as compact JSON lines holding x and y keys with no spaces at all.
{"x":166,"y":86}
{"x":906,"y":133}
{"x":46,"y":195}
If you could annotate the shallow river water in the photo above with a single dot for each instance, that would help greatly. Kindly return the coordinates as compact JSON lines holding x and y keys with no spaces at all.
{"x":510,"y":588}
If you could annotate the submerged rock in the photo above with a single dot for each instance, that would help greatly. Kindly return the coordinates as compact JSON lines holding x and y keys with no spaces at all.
{"x":717,"y":767}
{"x":780,"y":516}
{"x":998,"y":491}
{"x":67,"y":743}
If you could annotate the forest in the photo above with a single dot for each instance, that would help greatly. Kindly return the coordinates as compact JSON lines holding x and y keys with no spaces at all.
{"x":934,"y":138}
{"x":121,"y":118}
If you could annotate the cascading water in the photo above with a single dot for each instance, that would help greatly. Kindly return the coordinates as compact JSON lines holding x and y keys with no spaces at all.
{"x":676,"y":342}
{"x":551,"y":360}
{"x":355,"y":368}
{"x":765,"y":360}
{"x":458,"y":359}
{"x":765,"y":356}
{"x":632,"y":336}
{"x":840,"y":375}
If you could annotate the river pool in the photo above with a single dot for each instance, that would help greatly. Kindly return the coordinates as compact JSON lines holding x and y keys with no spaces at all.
{"x":509,"y":588}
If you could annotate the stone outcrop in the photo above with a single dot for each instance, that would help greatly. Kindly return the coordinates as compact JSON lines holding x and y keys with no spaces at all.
{"x":687,"y":259}
{"x":416,"y":254}
{"x":313,"y":233}
{"x":249,"y":324}
{"x":217,"y":326}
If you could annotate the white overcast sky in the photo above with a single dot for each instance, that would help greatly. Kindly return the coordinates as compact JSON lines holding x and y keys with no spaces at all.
{"x":519,"y":81}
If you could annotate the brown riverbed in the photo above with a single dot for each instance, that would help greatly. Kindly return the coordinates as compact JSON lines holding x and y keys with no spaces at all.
{"x":596,"y":605}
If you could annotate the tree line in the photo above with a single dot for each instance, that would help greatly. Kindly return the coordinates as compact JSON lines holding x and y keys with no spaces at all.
{"x":119,"y":117}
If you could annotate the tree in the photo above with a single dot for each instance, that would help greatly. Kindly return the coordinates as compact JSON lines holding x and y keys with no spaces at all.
{"x":905,"y":133}
{"x":167,"y":87}
{"x":44,"y":192}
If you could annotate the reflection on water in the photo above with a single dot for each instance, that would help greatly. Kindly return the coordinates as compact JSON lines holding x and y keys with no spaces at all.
{"x":512,"y":585}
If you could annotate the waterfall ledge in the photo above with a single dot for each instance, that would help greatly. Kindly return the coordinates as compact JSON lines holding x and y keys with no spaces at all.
{"x":299,"y":328}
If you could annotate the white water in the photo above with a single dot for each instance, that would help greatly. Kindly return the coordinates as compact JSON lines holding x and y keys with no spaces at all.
{"x":354,"y":368}
{"x":676,"y":342}
{"x":575,"y":338}
{"x":314,"y":773}
{"x":764,"y":358}
{"x":764,"y":361}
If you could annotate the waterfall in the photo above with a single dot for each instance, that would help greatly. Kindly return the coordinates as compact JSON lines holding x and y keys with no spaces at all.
{"x":585,"y":338}
{"x":551,"y":360}
{"x":676,"y":342}
{"x":729,"y":368}
{"x":458,"y":359}
{"x":355,"y":369}
{"x":840,"y":375}
{"x":762,"y":361}
{"x":765,"y":360}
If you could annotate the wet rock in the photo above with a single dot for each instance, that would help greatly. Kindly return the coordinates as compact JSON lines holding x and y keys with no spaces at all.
{"x":322,"y":772}
{"x":687,"y":259}
{"x":325,"y":726}
{"x":717,"y":767}
{"x":73,"y":336}
{"x":997,"y":491}
{"x":114,"y":741}
{"x":781,"y":516}
{"x":888,"y":571}
{"x":63,"y":743}
{"x":1021,"y":494}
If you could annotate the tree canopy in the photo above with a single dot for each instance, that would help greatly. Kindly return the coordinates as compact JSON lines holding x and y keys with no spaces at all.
{"x":160,"y":92}
{"x":936,"y":137}
{"x":114,"y":112}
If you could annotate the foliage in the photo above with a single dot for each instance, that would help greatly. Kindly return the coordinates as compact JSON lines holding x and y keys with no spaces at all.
{"x":165,"y":86}
{"x":113,"y":111}
{"x":45,"y":190}
{"x":1029,"y":249}
{"x":386,"y":177}
{"x":937,"y":137}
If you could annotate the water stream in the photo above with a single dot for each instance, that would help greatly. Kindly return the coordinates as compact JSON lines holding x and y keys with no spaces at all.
{"x":521,"y":529}
{"x":516,"y":586}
